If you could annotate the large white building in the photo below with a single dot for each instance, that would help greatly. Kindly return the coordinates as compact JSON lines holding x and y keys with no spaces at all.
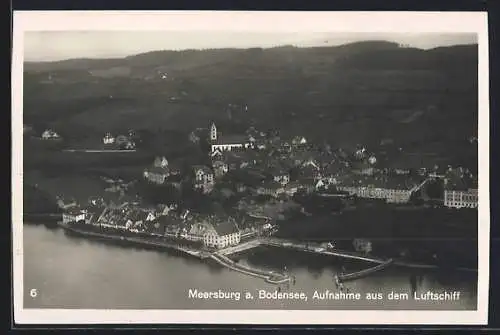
{"x":390,"y":195}
{"x":73,"y":215}
{"x":222,"y":235}
{"x":461,"y":199}
{"x":227,"y":143}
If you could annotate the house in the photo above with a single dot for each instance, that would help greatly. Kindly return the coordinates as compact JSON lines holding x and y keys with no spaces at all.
{"x":65,"y":203}
{"x":166,"y":209}
{"x":461,"y":198}
{"x":220,"y":168}
{"x":299,"y":140}
{"x":73,"y":215}
{"x":159,"y":226}
{"x":49,"y":134}
{"x":197,"y":231}
{"x":156,"y":175}
{"x":272,"y":188}
{"x":124,"y":142}
{"x":159,"y":172}
{"x":222,"y":235}
{"x":292,"y":187}
{"x":93,"y":213}
{"x":281,"y":176}
{"x":306,"y":183}
{"x":227,"y":142}
{"x":203,"y":174}
{"x":160,"y":162}
{"x":108,"y":139}
{"x":395,"y":189}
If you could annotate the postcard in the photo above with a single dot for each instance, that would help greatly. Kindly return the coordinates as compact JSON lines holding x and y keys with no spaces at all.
{"x":251,"y":168}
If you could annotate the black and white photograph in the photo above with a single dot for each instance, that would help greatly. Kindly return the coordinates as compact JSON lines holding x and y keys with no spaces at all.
{"x":250,"y":167}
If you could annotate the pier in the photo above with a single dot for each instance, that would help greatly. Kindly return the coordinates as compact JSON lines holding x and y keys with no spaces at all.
{"x":269,"y":276}
{"x":253,"y":243}
{"x":365,"y":272}
{"x":317,"y":249}
{"x":274,"y":242}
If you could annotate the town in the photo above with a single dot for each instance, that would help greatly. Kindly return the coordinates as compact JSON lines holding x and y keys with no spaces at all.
{"x":251,"y":181}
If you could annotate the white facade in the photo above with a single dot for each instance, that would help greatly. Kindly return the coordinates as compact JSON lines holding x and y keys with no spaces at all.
{"x":461,"y":199}
{"x":212,"y":239}
{"x":283,"y":179}
{"x":390,"y":195}
{"x":49,"y":134}
{"x":108,"y":139}
{"x":73,"y":217}
{"x":230,"y":146}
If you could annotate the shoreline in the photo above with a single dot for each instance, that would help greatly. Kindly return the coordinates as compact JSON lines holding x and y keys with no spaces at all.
{"x":200,"y":254}
{"x":135,"y":240}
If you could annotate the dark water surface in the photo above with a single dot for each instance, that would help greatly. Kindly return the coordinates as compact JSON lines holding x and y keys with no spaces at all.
{"x":75,"y":272}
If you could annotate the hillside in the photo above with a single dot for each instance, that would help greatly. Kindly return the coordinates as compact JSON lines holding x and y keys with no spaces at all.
{"x":360,"y":92}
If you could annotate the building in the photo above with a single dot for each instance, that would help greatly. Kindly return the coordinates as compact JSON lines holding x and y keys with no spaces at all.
{"x":220,"y":168}
{"x":159,"y":172}
{"x":392,"y":190}
{"x":49,"y":134}
{"x":108,"y":139}
{"x":73,"y":215}
{"x":203,"y":178}
{"x":222,"y":235}
{"x":272,"y":188}
{"x":292,"y":188}
{"x":461,"y":199}
{"x":281,"y":176}
{"x":197,"y":231}
{"x":227,"y":142}
{"x":156,"y":175}
{"x":299,"y":140}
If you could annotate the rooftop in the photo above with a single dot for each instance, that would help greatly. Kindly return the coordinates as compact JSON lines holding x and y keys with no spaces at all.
{"x":226,"y":228}
{"x":231,"y":139}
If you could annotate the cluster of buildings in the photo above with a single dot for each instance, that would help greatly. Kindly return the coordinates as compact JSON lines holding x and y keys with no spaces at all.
{"x":263,"y":164}
{"x":266,"y":165}
{"x":212,"y":231}
{"x":120,"y":141}
{"x":460,"y":189}
{"x":50,"y":134}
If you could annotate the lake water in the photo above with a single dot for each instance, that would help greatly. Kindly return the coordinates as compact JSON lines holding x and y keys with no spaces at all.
{"x":76,"y":272}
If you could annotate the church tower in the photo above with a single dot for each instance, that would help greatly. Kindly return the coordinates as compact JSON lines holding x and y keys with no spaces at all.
{"x":213,"y":132}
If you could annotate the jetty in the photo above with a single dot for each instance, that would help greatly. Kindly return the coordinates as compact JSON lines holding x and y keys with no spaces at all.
{"x":365,"y":272}
{"x":269,"y":276}
{"x":301,"y":246}
{"x":243,"y":246}
{"x":317,"y":249}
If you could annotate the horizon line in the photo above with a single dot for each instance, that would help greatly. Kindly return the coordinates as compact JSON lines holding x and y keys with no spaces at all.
{"x":290,"y":45}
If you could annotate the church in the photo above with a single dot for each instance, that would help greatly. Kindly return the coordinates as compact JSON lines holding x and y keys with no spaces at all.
{"x":222,"y":143}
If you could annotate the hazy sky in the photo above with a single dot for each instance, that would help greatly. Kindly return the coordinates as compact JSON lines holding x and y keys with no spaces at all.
{"x":57,"y":45}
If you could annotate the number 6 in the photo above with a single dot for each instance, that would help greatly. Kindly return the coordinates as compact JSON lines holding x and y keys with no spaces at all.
{"x":33,"y":292}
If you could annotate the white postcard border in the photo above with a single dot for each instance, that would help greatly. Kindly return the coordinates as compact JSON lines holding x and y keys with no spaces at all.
{"x":403,"y":22}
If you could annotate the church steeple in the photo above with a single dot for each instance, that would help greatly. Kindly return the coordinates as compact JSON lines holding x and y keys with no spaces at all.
{"x":213,"y":132}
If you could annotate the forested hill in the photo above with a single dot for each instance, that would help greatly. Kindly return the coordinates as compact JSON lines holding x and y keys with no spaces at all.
{"x":357,"y":92}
